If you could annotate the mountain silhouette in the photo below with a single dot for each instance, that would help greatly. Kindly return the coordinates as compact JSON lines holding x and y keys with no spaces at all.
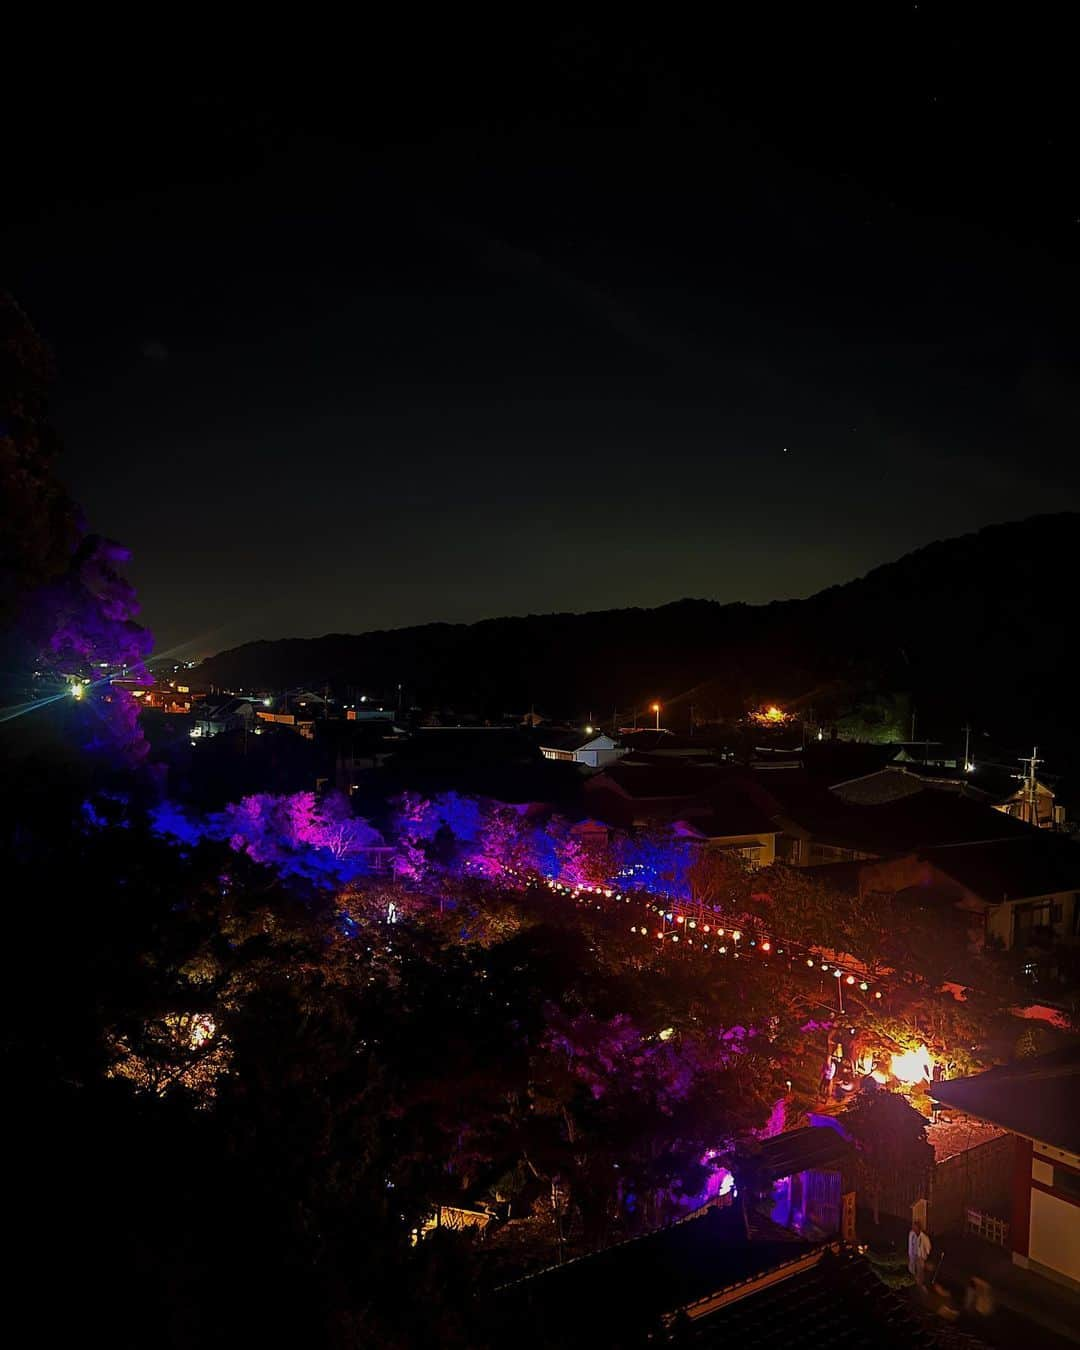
{"x":976,"y":628}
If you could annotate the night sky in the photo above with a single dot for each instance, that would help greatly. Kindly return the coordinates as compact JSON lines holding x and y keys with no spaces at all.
{"x":448,"y":325}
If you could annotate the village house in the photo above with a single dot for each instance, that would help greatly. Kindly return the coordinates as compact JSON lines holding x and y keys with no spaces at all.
{"x":1038,"y":1102}
{"x":216,"y":717}
{"x":1019,"y":891}
{"x":708,"y":804}
{"x":1027,"y":799}
{"x":871,"y":818}
{"x":593,"y":749}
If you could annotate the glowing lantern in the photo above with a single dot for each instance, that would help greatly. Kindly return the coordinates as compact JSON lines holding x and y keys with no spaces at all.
{"x":851,"y":979}
{"x":913,"y":1066}
{"x":766,"y":946}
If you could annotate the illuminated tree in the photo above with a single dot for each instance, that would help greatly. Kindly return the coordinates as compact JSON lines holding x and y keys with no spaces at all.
{"x":65,"y":606}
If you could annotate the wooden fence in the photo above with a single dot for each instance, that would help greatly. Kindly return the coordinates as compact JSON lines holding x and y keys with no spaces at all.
{"x":977,"y":1179}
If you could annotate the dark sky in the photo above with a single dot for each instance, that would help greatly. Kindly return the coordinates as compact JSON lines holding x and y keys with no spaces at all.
{"x":447,"y":324}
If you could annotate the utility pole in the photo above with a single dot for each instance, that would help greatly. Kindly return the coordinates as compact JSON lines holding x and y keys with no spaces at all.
{"x":1030,"y":782}
{"x":968,"y":766}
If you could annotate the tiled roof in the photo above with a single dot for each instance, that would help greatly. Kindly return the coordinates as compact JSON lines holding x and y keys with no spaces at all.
{"x":885,"y":785}
{"x":641,"y":1280}
{"x":1032,"y":864}
{"x":837,"y":1303}
{"x":1038,"y":1098}
{"x":922,"y":819}
{"x":713,"y":1287}
{"x":810,"y":1148}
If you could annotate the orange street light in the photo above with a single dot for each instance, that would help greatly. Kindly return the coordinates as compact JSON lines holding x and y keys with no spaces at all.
{"x":656,"y":710}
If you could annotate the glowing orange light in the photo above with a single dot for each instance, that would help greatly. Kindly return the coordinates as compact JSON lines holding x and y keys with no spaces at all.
{"x":766,"y":946}
{"x":654,"y":707}
{"x":851,"y":979}
{"x":913,"y":1066}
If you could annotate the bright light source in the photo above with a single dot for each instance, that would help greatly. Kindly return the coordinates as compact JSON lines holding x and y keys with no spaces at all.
{"x":667,"y":1033}
{"x":588,"y":731}
{"x":655,"y":707}
{"x":267,"y":702}
{"x":77,"y":690}
{"x":913,"y":1066}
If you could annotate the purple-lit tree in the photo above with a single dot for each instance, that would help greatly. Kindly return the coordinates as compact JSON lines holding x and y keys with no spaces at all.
{"x":71,"y":609}
{"x":299,"y":834}
{"x":639,"y":1112}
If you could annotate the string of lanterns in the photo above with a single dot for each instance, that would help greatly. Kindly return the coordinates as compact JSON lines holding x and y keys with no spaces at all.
{"x":709,"y":936}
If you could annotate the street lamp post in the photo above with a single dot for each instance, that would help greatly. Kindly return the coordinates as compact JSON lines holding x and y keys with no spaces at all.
{"x":656,"y":710}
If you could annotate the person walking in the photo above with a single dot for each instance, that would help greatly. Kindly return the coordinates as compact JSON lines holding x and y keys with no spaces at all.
{"x":828,"y":1073}
{"x":918,"y":1249}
